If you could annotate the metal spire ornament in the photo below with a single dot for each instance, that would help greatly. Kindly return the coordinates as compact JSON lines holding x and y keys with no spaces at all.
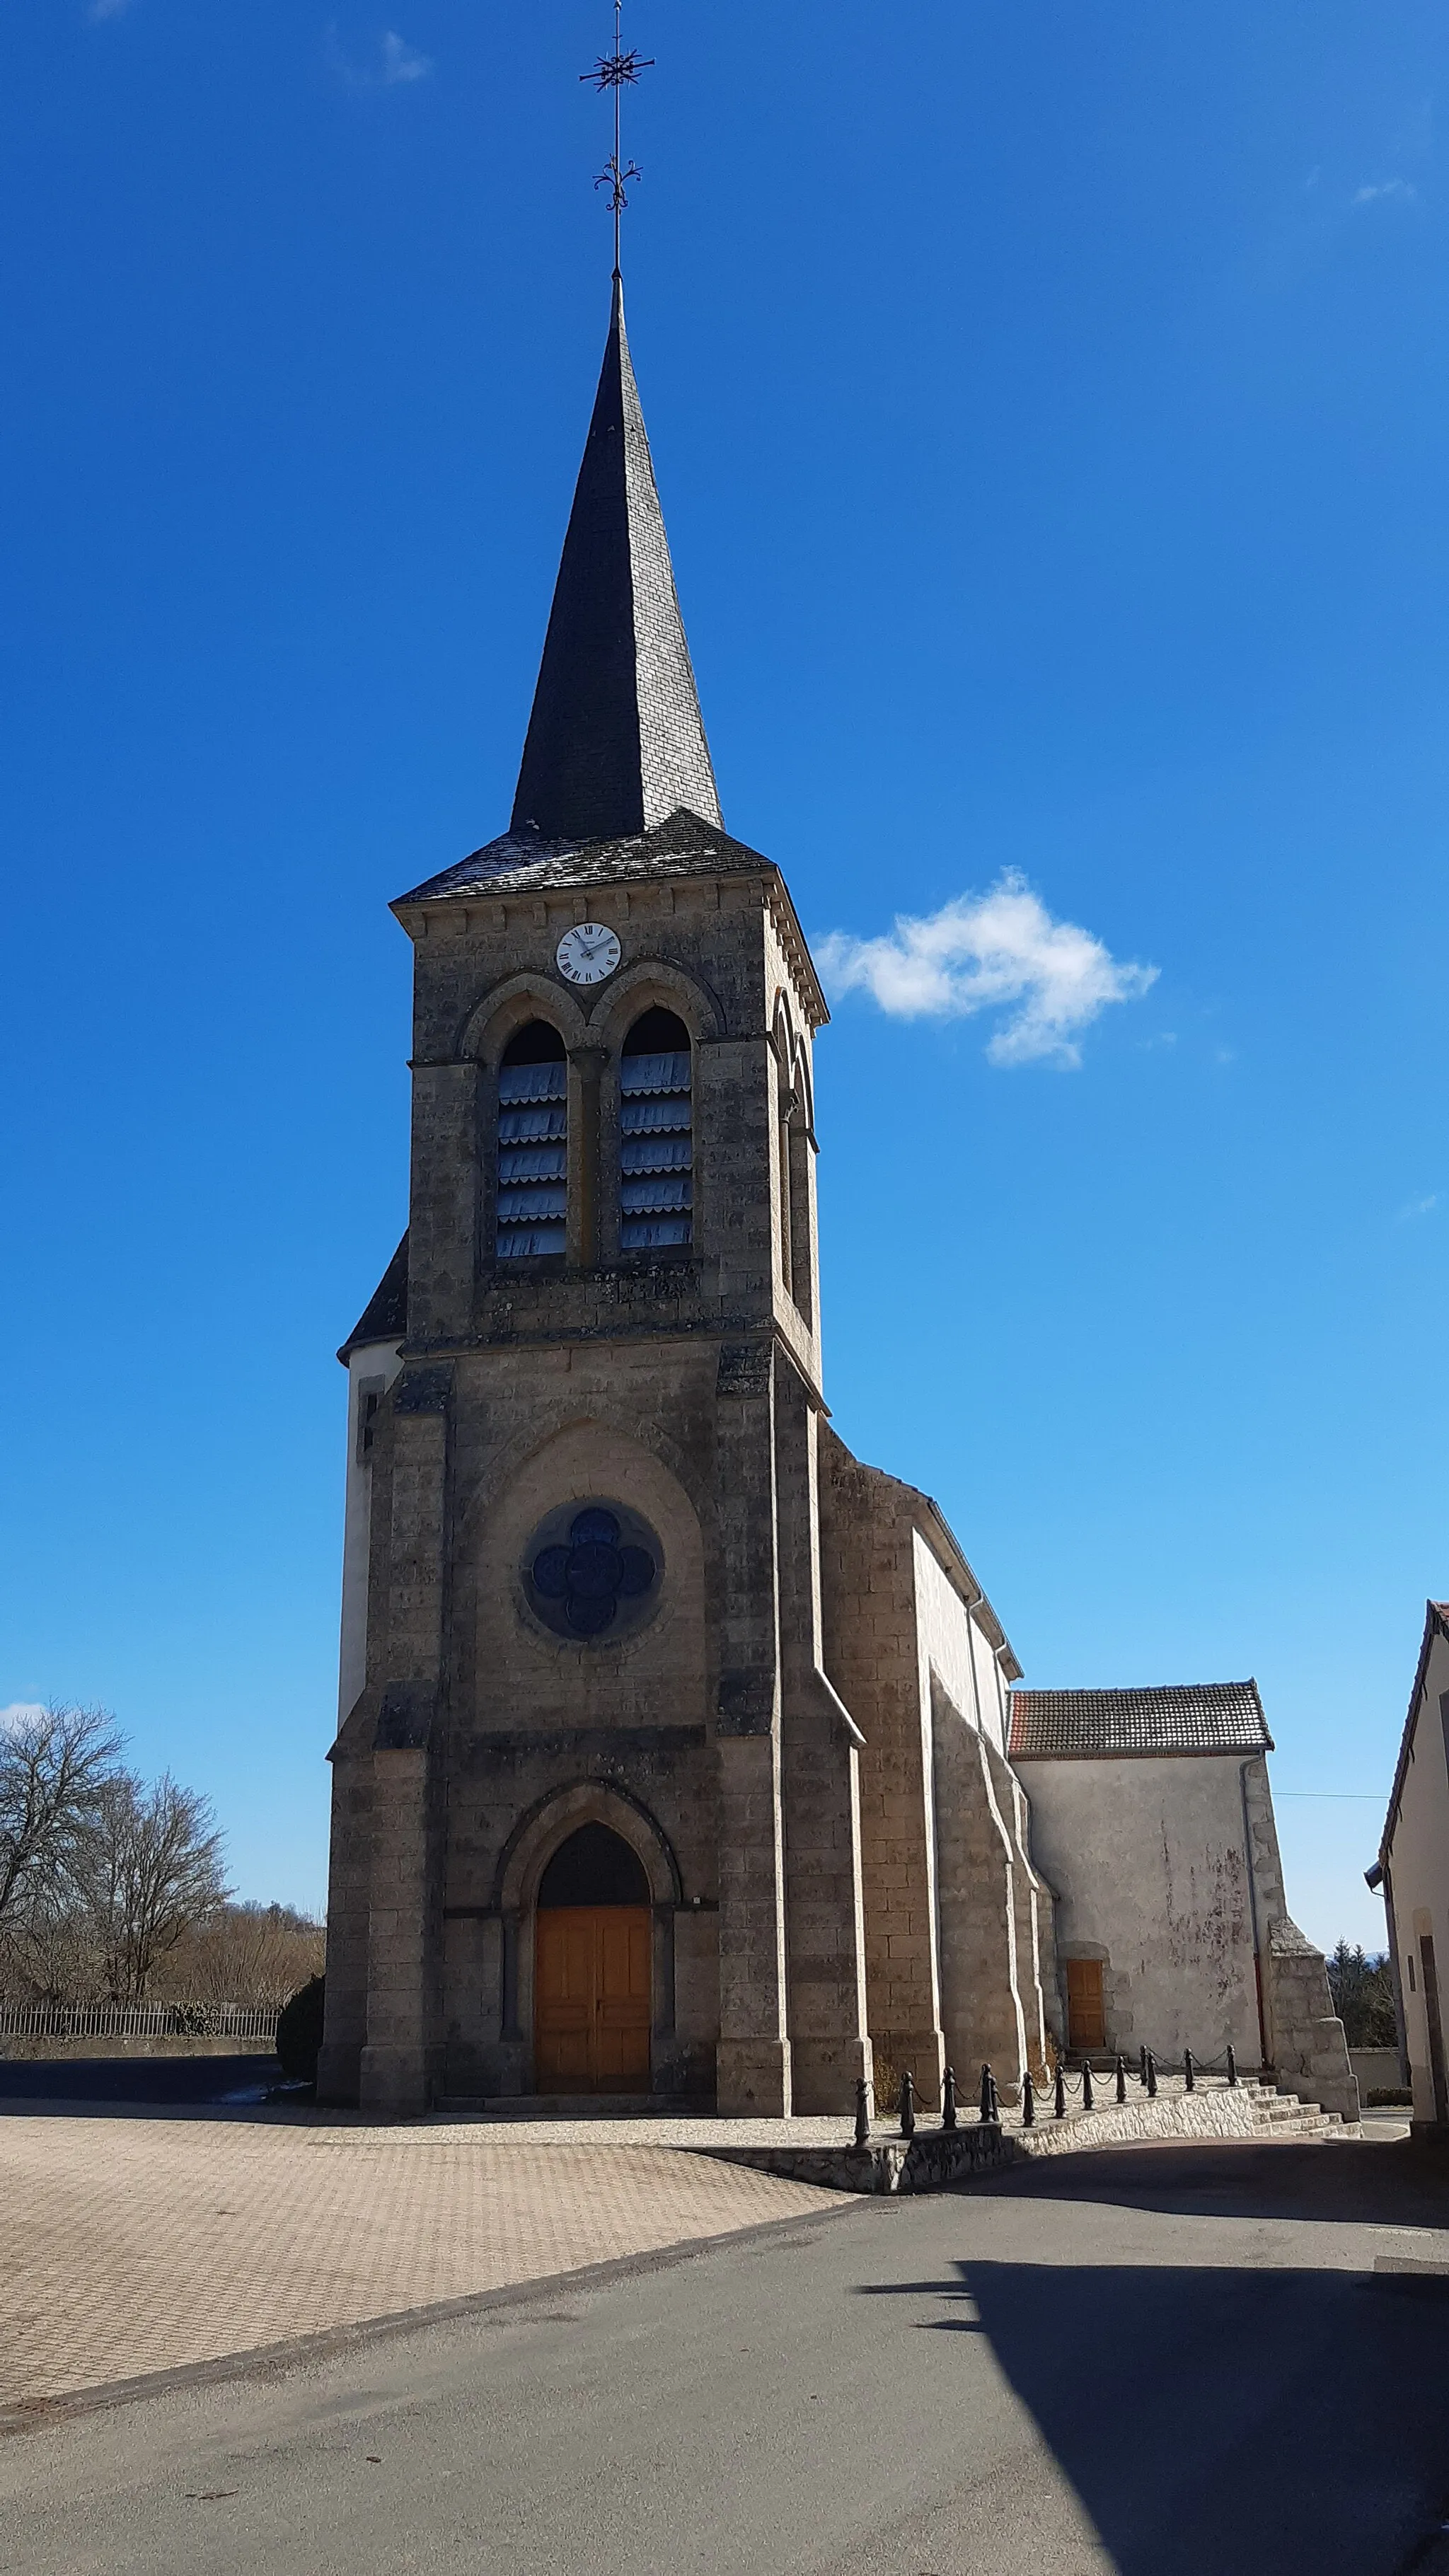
{"x":617,"y":71}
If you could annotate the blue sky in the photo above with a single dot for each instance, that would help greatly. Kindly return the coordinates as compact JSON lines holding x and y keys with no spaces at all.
{"x":1048,"y":406}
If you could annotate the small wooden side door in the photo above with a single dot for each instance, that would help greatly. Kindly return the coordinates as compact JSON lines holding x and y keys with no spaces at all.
{"x":1086,"y":2012}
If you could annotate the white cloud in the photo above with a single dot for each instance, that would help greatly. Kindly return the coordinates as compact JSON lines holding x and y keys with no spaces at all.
{"x":401,"y":62}
{"x":1418,"y":1207}
{"x":1404,"y":188}
{"x":997,"y":951}
{"x":20,"y":1712}
{"x":395,"y":65}
{"x":106,"y":9}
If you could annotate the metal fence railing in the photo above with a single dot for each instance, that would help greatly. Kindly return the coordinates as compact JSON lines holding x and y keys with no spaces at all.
{"x":139,"y":2021}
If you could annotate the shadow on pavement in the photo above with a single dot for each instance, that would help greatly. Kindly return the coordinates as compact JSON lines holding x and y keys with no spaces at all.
{"x":1403,"y":2182}
{"x":132,"y":2082}
{"x":1212,"y":2419}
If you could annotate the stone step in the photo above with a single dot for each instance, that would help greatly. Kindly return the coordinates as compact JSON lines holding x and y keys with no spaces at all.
{"x":571,"y":2106}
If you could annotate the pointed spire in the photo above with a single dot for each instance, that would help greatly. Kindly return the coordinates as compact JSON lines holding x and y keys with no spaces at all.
{"x":615,"y":741}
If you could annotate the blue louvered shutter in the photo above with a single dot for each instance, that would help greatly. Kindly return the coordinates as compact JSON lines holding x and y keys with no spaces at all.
{"x":532,"y":1148}
{"x":656,"y":1138}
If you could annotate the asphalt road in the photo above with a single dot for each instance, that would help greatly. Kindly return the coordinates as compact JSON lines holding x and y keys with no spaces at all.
{"x":149,"y":2080}
{"x":1169,"y":2362}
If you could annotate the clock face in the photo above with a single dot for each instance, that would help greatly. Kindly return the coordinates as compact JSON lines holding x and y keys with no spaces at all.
{"x":588,"y":952}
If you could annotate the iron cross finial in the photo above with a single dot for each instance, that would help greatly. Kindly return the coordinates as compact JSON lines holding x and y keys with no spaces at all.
{"x":616,"y":71}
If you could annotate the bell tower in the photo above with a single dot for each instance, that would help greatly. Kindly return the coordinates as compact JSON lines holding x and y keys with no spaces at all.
{"x":583,"y":1579}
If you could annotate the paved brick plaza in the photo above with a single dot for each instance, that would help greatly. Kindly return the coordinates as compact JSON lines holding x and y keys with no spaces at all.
{"x":136,"y":2245}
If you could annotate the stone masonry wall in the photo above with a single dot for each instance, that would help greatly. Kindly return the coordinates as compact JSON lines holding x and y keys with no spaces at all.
{"x":709,"y":1736}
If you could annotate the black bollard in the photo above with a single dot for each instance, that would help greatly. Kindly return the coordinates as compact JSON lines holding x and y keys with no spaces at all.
{"x":995,"y":2110}
{"x":1189,"y":2070}
{"x":987,"y":2089}
{"x":1151,"y":2076}
{"x":1028,"y":2102}
{"x":948,"y":2099}
{"x":908,"y":2107}
{"x":1121,"y":2079}
{"x":1088,"y":2098}
{"x":1142,"y":2066}
{"x":1061,"y":2101}
{"x":1232,"y":2066}
{"x":862,"y":2112}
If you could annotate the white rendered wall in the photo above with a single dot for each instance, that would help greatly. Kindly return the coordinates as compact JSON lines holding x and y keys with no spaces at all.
{"x":1149,"y":1860}
{"x":952,"y":1646}
{"x":372,"y":1364}
{"x":1418,"y":1860}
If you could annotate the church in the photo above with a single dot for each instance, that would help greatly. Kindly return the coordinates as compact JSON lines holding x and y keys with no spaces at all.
{"x":682,"y":1756}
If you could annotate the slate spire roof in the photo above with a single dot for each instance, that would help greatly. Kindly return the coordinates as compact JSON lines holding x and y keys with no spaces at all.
{"x":615,"y":741}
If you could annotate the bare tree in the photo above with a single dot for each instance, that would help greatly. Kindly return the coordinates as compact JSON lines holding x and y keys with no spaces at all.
{"x":154,"y":1867}
{"x":245,"y":1954}
{"x":53,"y":1768}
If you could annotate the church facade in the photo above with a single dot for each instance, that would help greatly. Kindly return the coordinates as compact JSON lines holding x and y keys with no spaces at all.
{"x":675,"y":1753}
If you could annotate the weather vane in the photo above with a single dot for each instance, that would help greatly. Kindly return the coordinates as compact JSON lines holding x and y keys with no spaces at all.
{"x":615,"y":71}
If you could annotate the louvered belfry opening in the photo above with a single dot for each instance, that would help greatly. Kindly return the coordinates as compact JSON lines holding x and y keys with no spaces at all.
{"x":656,"y":1138}
{"x":533,"y":1144}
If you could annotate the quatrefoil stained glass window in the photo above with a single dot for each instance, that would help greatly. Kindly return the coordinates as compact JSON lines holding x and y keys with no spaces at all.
{"x":592,"y":1570}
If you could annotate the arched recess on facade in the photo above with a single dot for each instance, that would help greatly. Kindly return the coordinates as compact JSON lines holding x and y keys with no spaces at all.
{"x":646,"y":1198}
{"x":560,"y":1812}
{"x":564,"y":1458}
{"x":533,"y":1130}
{"x":796,"y":1131}
{"x":509,"y":1006}
{"x":525,"y":1856}
{"x":647,"y":983}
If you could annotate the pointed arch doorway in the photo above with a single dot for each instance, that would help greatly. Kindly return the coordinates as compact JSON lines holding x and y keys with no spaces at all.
{"x":592,"y":1999}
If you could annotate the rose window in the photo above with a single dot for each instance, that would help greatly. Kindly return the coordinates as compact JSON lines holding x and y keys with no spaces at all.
{"x":592,"y":1570}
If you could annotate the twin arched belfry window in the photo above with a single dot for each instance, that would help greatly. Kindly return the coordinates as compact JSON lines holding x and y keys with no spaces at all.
{"x":533,"y":1144}
{"x":656,"y":1135}
{"x":656,"y":1141}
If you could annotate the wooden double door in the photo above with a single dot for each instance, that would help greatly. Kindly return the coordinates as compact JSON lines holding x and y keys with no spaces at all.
{"x":592,"y":1999}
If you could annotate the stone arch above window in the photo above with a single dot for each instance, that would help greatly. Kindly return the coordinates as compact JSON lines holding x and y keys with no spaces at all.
{"x":532,"y":1216}
{"x":656,"y":1134}
{"x":558,"y":1815}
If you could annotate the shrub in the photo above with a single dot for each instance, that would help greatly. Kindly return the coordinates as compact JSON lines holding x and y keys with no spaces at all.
{"x":299,"y":2031}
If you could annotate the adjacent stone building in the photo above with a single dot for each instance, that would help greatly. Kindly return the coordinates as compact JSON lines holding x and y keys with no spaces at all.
{"x":1413,"y":1871}
{"x":1152,"y":1817}
{"x":675,"y":1749}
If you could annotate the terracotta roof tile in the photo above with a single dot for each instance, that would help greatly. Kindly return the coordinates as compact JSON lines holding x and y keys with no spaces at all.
{"x":1100,"y":1725}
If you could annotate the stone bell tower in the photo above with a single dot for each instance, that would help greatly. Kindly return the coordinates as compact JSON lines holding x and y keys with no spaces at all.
{"x":596,"y":1807}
